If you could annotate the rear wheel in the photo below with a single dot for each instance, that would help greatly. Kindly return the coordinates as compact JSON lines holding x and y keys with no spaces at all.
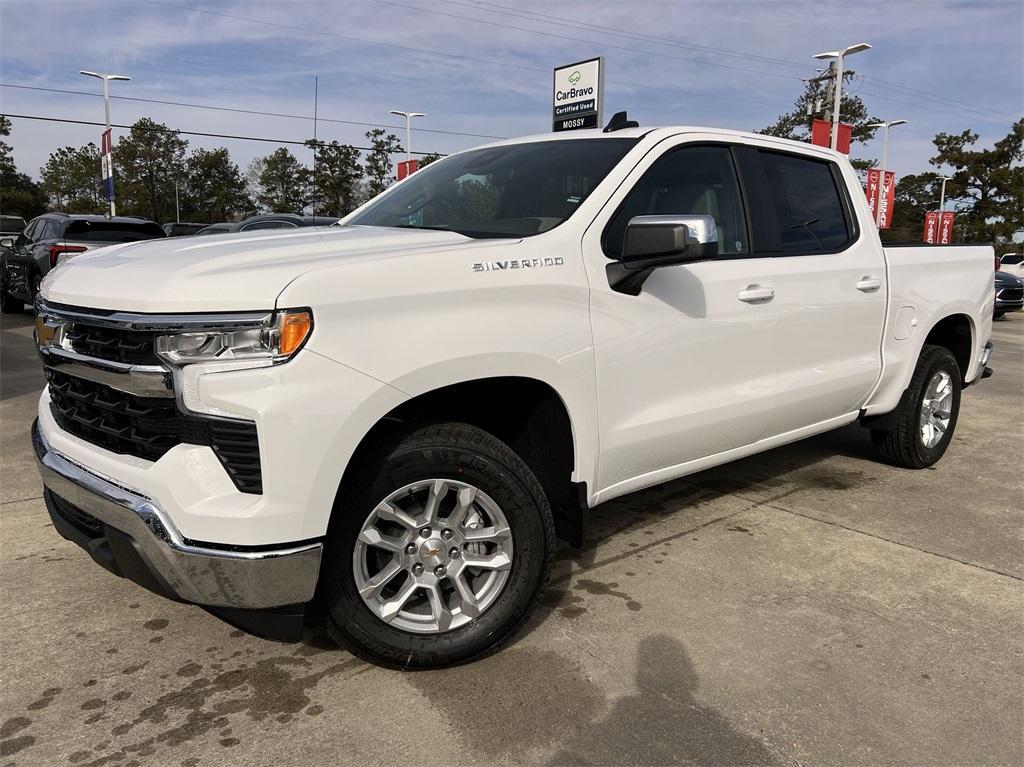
{"x":439,"y":551}
{"x":928,"y":413}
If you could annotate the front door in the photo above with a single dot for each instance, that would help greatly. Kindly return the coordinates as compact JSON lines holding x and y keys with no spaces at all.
{"x":685,"y":368}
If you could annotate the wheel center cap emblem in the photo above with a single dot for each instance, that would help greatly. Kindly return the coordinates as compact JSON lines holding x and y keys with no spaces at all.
{"x":433,"y":552}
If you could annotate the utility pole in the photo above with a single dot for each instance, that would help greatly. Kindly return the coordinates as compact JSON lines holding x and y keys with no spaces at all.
{"x":408,"y":134}
{"x":177,"y":207}
{"x":108,"y":142}
{"x":839,"y":56}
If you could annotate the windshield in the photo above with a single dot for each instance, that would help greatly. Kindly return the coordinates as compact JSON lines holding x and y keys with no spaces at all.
{"x":85,"y":230}
{"x":506,"y":191}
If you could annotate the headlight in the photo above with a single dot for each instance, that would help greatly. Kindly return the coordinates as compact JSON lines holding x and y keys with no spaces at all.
{"x":194,"y":354}
{"x":271,"y":344}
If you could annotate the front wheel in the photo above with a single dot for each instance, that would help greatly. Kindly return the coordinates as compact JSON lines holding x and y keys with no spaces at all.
{"x":439,"y":551}
{"x":928,"y":413}
{"x":9,"y":303}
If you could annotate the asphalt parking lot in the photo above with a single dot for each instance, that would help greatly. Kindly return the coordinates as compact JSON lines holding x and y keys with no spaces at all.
{"x":806,"y":606}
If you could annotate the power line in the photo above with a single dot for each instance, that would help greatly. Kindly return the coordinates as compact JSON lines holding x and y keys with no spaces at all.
{"x":158,"y":129}
{"x":243,"y":111}
{"x":536,"y":16}
{"x":590,"y":42}
{"x":440,"y":54}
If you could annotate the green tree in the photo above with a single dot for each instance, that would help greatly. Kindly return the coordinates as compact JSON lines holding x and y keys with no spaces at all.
{"x":426,"y":159}
{"x":915,"y":195}
{"x":147,"y":162}
{"x":338,"y":174}
{"x":214,"y":187}
{"x":796,"y":124}
{"x":987,"y":184}
{"x":72,"y":179}
{"x":19,"y":194}
{"x":378,"y":159}
{"x":280,"y":182}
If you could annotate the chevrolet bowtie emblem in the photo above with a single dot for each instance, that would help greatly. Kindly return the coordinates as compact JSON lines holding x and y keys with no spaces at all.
{"x":433,"y":552}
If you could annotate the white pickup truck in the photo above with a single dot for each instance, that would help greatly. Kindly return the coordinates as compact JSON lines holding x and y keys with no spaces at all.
{"x":394,"y":417}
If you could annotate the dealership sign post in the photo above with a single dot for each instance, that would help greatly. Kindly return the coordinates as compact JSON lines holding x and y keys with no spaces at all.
{"x":881,"y":193}
{"x":578,"y":95}
{"x":946,"y":227}
{"x":931,"y":227}
{"x":107,"y":167}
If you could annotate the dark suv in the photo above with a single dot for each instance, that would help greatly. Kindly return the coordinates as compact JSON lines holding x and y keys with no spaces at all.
{"x":52,"y":238}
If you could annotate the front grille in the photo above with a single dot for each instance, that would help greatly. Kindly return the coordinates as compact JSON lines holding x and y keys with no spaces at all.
{"x":147,"y":427}
{"x":1011,"y":294}
{"x":134,"y":347}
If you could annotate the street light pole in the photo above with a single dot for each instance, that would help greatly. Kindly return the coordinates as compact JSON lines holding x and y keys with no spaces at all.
{"x":839,"y":56}
{"x":942,"y":194}
{"x":106,"y":78}
{"x":408,"y":133}
{"x":885,"y":156}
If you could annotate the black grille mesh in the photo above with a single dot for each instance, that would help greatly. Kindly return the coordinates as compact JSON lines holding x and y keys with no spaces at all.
{"x":135,"y":347}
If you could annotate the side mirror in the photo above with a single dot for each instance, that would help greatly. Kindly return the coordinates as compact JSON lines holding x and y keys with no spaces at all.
{"x":6,"y":242}
{"x":651,"y":242}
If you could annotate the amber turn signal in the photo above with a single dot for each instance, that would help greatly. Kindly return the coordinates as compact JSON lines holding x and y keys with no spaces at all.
{"x":294,"y":327}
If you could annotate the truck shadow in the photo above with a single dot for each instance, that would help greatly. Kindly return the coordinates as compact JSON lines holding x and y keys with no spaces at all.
{"x":774,"y":474}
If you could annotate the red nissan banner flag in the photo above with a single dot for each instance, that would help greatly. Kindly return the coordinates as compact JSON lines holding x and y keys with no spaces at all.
{"x":931,"y":227}
{"x":886,"y":199}
{"x":821,"y":135}
{"x":946,"y":228}
{"x":872,"y":191}
{"x":407,"y":167}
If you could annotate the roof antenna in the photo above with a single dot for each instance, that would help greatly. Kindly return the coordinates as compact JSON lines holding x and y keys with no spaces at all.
{"x":620,"y":121}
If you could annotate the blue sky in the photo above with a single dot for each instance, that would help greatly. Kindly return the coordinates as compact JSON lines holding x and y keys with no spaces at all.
{"x":485,"y":67}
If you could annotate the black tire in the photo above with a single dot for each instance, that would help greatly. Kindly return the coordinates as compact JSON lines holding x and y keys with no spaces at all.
{"x":463,"y":453}
{"x":34,"y":281}
{"x":904,"y":446}
{"x":9,"y":303}
{"x":998,"y":315}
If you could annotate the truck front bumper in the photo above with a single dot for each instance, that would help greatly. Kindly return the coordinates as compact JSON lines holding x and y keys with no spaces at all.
{"x":261,"y":588}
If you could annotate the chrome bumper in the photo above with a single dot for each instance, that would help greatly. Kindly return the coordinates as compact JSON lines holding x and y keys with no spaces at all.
{"x":212,"y":577}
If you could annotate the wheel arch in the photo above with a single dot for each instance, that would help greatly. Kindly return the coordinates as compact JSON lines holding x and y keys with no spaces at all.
{"x":526,"y":413}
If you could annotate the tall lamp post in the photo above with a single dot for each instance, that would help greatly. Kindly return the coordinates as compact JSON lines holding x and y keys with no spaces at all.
{"x":885,"y":155}
{"x":408,"y":133}
{"x":839,"y":56}
{"x":942,"y":194}
{"x":106,"y":78}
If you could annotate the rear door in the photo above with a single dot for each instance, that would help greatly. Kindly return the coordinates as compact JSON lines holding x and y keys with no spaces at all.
{"x":829,"y":279}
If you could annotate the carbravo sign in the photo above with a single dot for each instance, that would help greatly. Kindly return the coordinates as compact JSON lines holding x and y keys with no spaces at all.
{"x":578,"y":95}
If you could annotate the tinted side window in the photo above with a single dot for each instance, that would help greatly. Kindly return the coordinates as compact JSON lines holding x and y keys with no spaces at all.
{"x":808,"y":206}
{"x":696,"y":181}
{"x":51,"y":231}
{"x":1009,"y":260}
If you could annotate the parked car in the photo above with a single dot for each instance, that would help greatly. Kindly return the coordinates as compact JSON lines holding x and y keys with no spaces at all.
{"x":1012,"y":263}
{"x":181,"y":229}
{"x":11,"y":225}
{"x":269,"y":221}
{"x":1009,"y":294}
{"x":398,"y":416}
{"x":53,"y":237}
{"x":216,"y":229}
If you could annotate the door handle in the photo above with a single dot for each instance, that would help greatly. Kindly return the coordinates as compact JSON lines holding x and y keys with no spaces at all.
{"x":755,"y":294}
{"x":867,"y":284}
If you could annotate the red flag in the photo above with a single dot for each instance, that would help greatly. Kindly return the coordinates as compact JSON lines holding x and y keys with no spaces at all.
{"x":407,"y":167}
{"x":886,"y":199}
{"x":946,"y":227}
{"x":931,"y":227}
{"x":872,"y":191}
{"x":821,"y":135}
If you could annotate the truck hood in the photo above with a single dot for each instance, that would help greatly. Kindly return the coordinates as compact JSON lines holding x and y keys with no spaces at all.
{"x":226,"y":272}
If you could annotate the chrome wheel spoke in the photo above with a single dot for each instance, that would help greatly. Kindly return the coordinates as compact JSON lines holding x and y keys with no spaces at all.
{"x":372,"y":587}
{"x":438,"y":490}
{"x":470,"y":604}
{"x":371,"y":536}
{"x":466,"y":497}
{"x":499,"y":561}
{"x":390,"y":608}
{"x":439,"y":611}
{"x":485,"y":534}
{"x":393,"y":514}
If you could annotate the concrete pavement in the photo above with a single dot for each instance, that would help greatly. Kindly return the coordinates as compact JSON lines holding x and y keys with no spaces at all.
{"x":806,"y":606}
